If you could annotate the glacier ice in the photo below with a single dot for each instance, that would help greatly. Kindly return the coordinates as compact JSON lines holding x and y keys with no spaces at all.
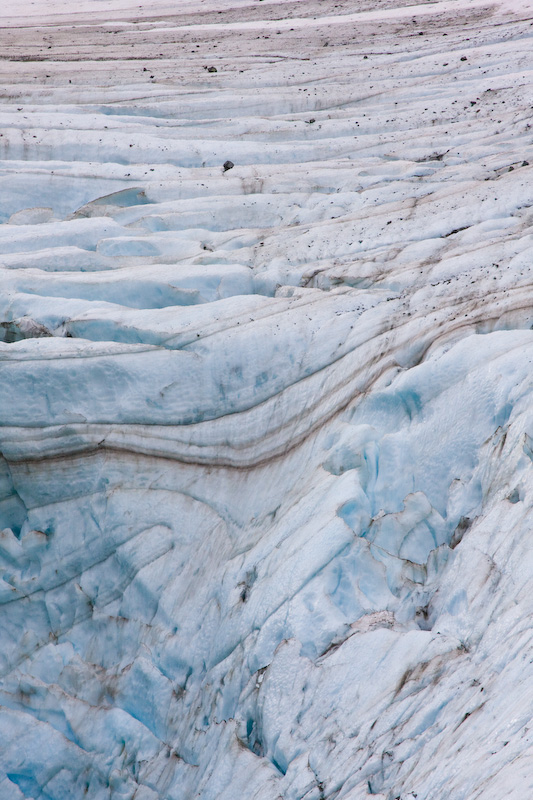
{"x":266,"y":433}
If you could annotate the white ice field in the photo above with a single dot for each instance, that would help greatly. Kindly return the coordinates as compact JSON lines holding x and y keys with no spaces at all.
{"x":266,"y":431}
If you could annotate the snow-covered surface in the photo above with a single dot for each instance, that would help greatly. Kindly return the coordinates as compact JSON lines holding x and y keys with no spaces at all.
{"x":266,"y":432}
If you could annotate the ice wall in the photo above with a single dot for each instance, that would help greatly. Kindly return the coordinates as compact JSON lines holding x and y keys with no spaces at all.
{"x":266,"y":429}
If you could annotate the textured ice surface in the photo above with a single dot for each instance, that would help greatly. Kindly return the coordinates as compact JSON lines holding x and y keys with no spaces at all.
{"x":266,"y":432}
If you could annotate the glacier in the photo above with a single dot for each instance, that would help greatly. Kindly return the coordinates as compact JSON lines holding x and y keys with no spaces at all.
{"x":266,"y":431}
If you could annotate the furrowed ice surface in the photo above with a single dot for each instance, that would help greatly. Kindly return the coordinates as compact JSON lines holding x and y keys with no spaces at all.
{"x":266,"y":432}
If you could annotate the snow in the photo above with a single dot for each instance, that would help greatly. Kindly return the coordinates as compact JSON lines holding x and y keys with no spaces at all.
{"x":266,"y":433}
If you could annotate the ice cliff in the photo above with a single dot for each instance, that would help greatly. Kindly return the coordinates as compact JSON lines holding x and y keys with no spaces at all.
{"x":266,"y":430}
